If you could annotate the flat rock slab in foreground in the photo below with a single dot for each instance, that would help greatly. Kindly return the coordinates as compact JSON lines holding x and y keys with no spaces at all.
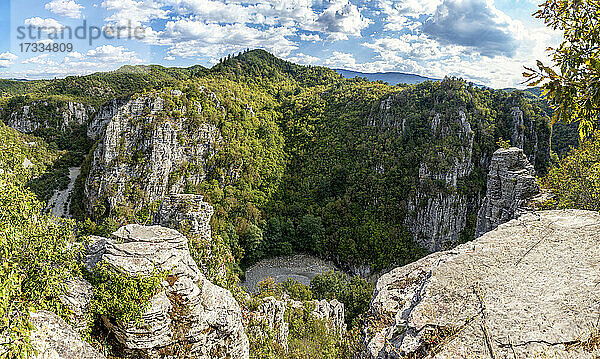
{"x":529,"y":289}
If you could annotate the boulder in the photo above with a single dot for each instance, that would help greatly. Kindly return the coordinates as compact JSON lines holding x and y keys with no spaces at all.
{"x":186,"y":212}
{"x":271,"y":312}
{"x":528,"y":289}
{"x":55,"y":339}
{"x":188,"y":313}
{"x":77,"y":297}
{"x":510,"y":185}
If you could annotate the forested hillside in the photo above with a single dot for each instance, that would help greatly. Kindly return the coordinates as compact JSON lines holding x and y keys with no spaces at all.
{"x":304,"y":160}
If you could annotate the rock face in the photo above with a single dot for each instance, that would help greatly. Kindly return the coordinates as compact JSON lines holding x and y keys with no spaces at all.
{"x":442,"y":204}
{"x":49,"y":114}
{"x":77,"y":297}
{"x":186,"y":212}
{"x":272,"y":311}
{"x":528,"y":289}
{"x":436,"y":219}
{"x":510,"y":184}
{"x":189,"y":312}
{"x":145,"y":154}
{"x":55,"y":339}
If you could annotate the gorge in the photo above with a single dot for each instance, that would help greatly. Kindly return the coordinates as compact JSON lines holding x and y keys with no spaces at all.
{"x":188,"y":177}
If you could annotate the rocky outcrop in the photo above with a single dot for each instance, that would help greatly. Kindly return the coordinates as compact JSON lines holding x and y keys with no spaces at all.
{"x":145,"y":154}
{"x":528,"y":289}
{"x":187,"y":213}
{"x":188,"y":312}
{"x":510,"y":184}
{"x":78,"y":294}
{"x":49,"y":114}
{"x":52,"y":338}
{"x":437,"y":217}
{"x":271,"y":312}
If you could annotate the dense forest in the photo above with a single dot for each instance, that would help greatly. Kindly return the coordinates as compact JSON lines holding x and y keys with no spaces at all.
{"x":319,"y":167}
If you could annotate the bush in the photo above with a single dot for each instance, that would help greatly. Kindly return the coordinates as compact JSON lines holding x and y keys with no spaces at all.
{"x":575,"y":182}
{"x":122,"y":297}
{"x":355,"y":292}
{"x":37,"y":256}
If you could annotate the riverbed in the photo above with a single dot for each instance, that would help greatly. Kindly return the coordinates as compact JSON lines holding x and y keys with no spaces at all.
{"x":301,"y":267}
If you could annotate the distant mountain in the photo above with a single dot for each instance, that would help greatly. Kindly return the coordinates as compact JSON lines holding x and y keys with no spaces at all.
{"x":392,"y":78}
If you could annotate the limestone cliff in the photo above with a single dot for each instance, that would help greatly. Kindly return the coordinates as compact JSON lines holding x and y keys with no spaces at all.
{"x":510,"y":184}
{"x":527,"y":289}
{"x":59,"y":115}
{"x":145,"y":148}
{"x":271,"y":313}
{"x":442,"y":206}
{"x":188,"y":311}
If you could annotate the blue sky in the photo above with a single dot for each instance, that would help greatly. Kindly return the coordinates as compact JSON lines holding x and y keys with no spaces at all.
{"x":485,"y":41}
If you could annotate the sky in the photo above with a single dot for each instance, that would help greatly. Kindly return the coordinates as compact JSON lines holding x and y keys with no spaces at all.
{"x":484,"y":41}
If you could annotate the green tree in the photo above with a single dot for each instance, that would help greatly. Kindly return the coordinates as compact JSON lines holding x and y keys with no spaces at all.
{"x":310,"y":233}
{"x":355,"y":292}
{"x":37,"y":255}
{"x":572,"y":82}
{"x":575,"y":182}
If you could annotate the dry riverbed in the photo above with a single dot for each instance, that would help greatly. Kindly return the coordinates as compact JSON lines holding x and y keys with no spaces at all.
{"x":300,"y":267}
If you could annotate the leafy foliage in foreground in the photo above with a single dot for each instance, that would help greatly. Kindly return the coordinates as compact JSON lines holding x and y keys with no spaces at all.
{"x":575,"y":181}
{"x":121,"y":297}
{"x":36,"y":256}
{"x":571,"y":83}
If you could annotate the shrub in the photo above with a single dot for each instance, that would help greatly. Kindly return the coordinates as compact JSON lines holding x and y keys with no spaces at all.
{"x":575,"y":181}
{"x":355,"y":292}
{"x":37,"y":256}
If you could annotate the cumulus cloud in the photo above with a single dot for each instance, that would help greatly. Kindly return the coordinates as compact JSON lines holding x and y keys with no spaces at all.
{"x":341,"y":19}
{"x":48,"y":23}
{"x":113,"y":54}
{"x":473,"y":23}
{"x":136,"y":12}
{"x":310,"y":37}
{"x":43,"y":59}
{"x":191,"y":38}
{"x":303,"y":59}
{"x":7,"y":59}
{"x":67,"y":8}
{"x":341,"y":60}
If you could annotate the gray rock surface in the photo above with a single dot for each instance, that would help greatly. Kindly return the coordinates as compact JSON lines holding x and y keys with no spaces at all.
{"x":511,"y":184}
{"x":436,"y":219}
{"x":528,"y":289}
{"x":55,"y":339}
{"x":272,"y":313}
{"x":188,"y":312}
{"x":186,"y":212}
{"x":77,"y":297}
{"x":144,"y":155}
{"x":48,"y":114}
{"x":301,"y":267}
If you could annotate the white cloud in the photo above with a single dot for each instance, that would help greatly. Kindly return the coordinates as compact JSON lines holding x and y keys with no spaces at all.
{"x":341,"y":60}
{"x":7,"y":59}
{"x":68,"y":8}
{"x":191,"y":38}
{"x":48,"y":24}
{"x":136,"y":12}
{"x":113,"y":54}
{"x":341,"y":19}
{"x":310,"y":37}
{"x":43,"y":59}
{"x":303,"y":59}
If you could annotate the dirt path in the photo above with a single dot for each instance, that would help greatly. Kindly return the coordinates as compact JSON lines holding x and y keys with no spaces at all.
{"x":300,"y":267}
{"x":59,"y":202}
